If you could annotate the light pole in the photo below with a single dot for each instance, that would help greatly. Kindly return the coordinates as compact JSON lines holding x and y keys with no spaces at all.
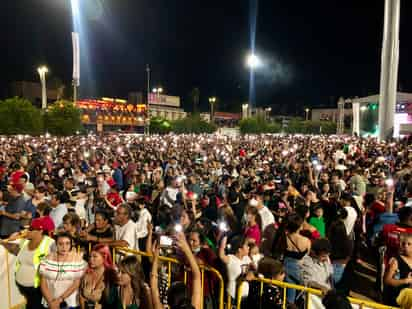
{"x":158,"y":91}
{"x":42,"y":73}
{"x":307,"y":110}
{"x":212,"y":101}
{"x":147,"y":120}
{"x":245,"y":111}
{"x":267,"y":113}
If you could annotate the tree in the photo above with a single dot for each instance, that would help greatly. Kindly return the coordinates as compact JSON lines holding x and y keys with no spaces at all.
{"x":63,"y":118}
{"x":192,"y":124}
{"x":195,"y":98}
{"x":257,"y":125}
{"x":19,"y":116}
{"x":160,"y":126}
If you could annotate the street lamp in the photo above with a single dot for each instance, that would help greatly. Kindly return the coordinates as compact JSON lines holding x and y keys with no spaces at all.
{"x":363,"y":108}
{"x":157,"y":91}
{"x":307,"y":110}
{"x":42,"y":73}
{"x":212,"y":101}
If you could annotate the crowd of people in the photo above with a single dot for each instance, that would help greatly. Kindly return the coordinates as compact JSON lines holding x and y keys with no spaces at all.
{"x":302,"y":209}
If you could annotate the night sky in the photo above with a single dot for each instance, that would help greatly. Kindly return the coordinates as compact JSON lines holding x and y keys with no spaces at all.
{"x":314,"y":51}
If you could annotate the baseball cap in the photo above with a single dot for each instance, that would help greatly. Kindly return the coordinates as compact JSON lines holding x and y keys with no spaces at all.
{"x":41,"y":224}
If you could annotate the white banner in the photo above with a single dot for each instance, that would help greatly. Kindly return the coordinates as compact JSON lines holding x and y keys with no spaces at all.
{"x":356,"y":118}
{"x":76,"y":58}
{"x":10,"y":296}
{"x":165,"y":100}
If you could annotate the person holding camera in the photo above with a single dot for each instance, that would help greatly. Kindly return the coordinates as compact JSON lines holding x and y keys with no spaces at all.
{"x":60,"y":273}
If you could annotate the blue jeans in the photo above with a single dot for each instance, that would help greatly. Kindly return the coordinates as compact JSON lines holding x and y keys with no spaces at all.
{"x":293,"y":275}
{"x":338,"y":270}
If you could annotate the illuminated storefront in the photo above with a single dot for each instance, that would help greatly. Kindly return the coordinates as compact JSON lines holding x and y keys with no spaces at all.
{"x":110,"y":114}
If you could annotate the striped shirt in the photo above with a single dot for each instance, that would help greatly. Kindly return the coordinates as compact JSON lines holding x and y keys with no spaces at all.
{"x":60,"y":276}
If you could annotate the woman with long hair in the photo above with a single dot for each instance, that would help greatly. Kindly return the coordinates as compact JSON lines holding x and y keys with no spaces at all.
{"x":307,"y":230}
{"x":342,"y":248}
{"x":253,"y":229}
{"x":237,"y":263}
{"x":133,"y":292}
{"x":292,"y":247}
{"x":60,"y":274}
{"x":98,"y":284}
{"x":398,"y":275}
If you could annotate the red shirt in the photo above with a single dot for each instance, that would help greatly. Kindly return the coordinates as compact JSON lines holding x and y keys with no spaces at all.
{"x":114,"y":198}
{"x":253,"y":232}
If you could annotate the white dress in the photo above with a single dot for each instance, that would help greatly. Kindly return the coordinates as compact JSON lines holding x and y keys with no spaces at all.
{"x":60,"y":276}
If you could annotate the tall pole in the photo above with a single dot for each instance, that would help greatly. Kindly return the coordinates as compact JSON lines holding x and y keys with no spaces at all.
{"x":341,"y":116}
{"x":42,"y":73}
{"x":43,"y":90}
{"x":147,"y":101}
{"x":74,"y":92}
{"x":76,"y":64}
{"x":389,"y":69}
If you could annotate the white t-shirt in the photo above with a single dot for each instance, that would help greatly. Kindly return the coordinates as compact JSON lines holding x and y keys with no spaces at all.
{"x":266,"y":216}
{"x":26,"y":272}
{"x":80,"y":208}
{"x":127,"y":232}
{"x":234,"y":270}
{"x":141,"y":224}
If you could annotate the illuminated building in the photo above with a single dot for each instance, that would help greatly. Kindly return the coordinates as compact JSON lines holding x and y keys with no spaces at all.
{"x":111,"y":114}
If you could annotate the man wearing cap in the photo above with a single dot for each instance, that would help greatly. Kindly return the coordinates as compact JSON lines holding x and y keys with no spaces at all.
{"x":10,"y":217}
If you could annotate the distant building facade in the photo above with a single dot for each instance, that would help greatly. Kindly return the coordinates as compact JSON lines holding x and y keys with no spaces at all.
{"x":165,"y":106}
{"x":32,"y":92}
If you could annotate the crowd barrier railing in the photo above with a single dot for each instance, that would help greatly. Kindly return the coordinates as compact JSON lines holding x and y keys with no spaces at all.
{"x":170,"y":261}
{"x":360,"y":303}
{"x":16,"y":300}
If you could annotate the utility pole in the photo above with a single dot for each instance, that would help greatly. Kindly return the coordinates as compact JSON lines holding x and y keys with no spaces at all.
{"x":147,"y":120}
{"x":341,"y":116}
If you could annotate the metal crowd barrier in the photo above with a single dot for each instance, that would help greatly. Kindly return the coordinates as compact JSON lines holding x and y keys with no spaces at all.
{"x":362,"y":304}
{"x":170,"y":261}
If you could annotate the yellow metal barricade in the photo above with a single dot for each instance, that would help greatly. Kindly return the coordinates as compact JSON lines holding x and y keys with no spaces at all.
{"x":170,"y":261}
{"x":308,"y":291}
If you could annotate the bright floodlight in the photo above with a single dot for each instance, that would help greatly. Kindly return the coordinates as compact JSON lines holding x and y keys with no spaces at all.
{"x":75,"y":7}
{"x":42,"y":70}
{"x":253,"y":61}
